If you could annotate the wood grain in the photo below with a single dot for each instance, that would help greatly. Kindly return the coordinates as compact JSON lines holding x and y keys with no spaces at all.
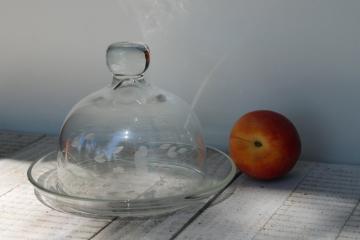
{"x":11,"y":142}
{"x":317,"y":201}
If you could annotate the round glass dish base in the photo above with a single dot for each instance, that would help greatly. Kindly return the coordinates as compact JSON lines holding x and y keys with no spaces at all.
{"x":140,"y":202}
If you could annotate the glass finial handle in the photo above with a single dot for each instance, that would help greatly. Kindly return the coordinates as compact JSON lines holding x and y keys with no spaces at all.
{"x":127,"y":60}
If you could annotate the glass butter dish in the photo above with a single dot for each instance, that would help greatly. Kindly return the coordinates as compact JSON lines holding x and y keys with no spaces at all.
{"x":129,"y":149}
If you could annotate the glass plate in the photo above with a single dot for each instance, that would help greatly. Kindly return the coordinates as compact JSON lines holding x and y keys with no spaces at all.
{"x":138,"y":199}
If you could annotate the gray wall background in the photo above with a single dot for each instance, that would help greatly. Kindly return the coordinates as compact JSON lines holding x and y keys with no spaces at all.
{"x":300,"y":58}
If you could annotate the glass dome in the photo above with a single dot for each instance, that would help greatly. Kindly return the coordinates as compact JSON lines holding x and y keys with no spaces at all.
{"x":129,"y":150}
{"x":130,"y":140}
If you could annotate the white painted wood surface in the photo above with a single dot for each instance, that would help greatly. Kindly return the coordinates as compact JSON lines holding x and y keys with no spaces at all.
{"x":11,"y":142}
{"x":13,"y":167}
{"x":16,"y":187}
{"x":22,"y":216}
{"x":315,"y":201}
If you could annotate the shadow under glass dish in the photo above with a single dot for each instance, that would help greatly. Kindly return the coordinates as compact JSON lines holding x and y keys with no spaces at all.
{"x":129,"y":149}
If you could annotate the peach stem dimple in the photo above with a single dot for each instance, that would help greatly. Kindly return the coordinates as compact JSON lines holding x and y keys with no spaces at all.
{"x":256,"y":142}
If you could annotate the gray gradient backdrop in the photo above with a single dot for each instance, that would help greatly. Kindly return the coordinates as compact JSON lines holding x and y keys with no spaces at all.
{"x":300,"y":58}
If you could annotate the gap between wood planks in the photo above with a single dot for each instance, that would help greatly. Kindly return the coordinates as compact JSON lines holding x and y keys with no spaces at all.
{"x":206,"y":205}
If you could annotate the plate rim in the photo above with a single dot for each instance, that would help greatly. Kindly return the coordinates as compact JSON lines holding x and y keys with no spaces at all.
{"x":197,"y":195}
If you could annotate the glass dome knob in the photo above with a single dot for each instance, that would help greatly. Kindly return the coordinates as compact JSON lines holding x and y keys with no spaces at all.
{"x":127,"y":59}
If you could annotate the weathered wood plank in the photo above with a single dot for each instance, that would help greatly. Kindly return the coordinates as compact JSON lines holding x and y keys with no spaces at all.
{"x":351,"y":229}
{"x":163,"y":227}
{"x":22,"y":216}
{"x":314,"y":202}
{"x":11,"y":142}
{"x":13,"y":170}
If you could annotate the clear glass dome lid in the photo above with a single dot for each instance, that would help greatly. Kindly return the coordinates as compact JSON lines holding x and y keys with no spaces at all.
{"x":129,"y":149}
{"x":130,"y":138}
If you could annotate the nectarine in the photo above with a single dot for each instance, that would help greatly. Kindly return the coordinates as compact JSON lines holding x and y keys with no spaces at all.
{"x":264,"y":144}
